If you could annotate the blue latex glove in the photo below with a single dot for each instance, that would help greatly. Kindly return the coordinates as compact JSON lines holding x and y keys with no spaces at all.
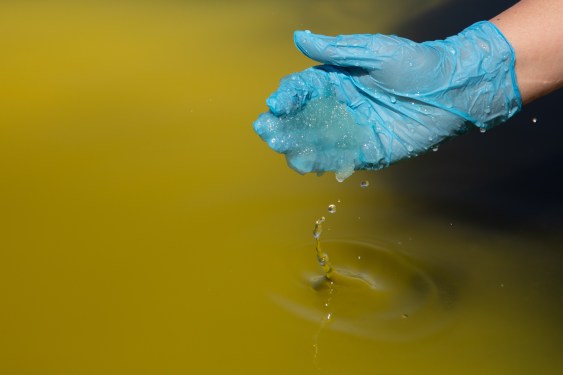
{"x":379,"y":99}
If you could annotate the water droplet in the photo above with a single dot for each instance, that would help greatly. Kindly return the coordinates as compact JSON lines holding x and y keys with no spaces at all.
{"x":307,"y":31}
{"x":410,"y":64}
{"x":534,"y":120}
{"x":487,"y":110}
{"x":364,"y":184}
{"x":409,"y":148}
{"x":331,"y":208}
{"x":318,"y":228}
{"x":482,"y":130}
{"x":430,"y":138}
{"x":435,"y":148}
{"x":404,"y":316}
{"x":393,"y":100}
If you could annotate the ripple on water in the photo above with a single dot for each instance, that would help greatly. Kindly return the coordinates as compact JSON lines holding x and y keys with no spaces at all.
{"x":376,"y":293}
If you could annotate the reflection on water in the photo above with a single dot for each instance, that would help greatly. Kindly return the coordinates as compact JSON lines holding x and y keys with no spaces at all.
{"x":144,"y":228}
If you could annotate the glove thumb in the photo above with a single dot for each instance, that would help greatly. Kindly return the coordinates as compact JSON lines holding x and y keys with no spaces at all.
{"x":367,"y":51}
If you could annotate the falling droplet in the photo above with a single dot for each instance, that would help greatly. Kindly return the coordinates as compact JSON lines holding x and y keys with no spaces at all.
{"x":331,"y":208}
{"x":318,"y":228}
{"x":435,"y":148}
{"x":482,"y":130}
{"x":534,"y":120}
{"x":364,"y":184}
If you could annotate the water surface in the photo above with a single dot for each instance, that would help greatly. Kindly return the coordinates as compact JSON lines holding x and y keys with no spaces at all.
{"x":145,"y":229}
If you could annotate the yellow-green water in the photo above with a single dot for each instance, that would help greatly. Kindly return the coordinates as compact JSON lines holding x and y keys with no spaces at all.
{"x":145,"y":229}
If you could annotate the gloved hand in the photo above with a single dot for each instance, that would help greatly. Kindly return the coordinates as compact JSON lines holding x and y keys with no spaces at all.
{"x":379,"y":99}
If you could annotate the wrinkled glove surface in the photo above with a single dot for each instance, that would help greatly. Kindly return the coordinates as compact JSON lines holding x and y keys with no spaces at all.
{"x":378,"y":99}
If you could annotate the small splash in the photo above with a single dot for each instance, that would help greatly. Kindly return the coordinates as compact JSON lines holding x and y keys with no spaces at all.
{"x":318,"y":227}
{"x":364,"y":184}
{"x":322,"y":257}
{"x":374,"y":292}
{"x":331,"y":208}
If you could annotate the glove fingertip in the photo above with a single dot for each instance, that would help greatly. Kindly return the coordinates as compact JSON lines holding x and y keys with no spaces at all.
{"x":273,"y":105}
{"x":312,"y":45}
{"x":279,"y":103}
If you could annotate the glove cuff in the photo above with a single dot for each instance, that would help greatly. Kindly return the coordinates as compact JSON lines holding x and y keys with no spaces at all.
{"x":485,"y":62}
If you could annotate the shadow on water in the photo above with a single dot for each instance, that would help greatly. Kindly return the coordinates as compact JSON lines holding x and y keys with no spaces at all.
{"x":509,"y":177}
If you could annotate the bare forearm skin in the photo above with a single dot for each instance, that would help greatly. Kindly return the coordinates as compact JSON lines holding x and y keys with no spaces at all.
{"x":534,"y":28}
